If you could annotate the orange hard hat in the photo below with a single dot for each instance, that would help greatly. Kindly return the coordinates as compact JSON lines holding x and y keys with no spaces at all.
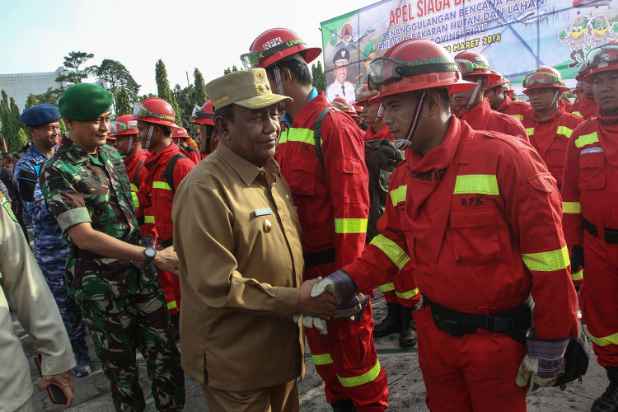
{"x":275,"y":45}
{"x":204,"y":115}
{"x":415,"y":65}
{"x":474,"y":65}
{"x":157,"y":111}
{"x":179,"y":133}
{"x":544,"y":77}
{"x":124,"y":125}
{"x":602,"y":59}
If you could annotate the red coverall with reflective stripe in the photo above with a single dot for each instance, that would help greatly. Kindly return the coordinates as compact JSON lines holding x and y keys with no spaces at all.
{"x":136,"y":170}
{"x":585,"y":108}
{"x":551,"y":139}
{"x":155,"y":198}
{"x":333,"y":211}
{"x":590,"y":192}
{"x":480,"y":226}
{"x":515,"y":108}
{"x":482,"y":117}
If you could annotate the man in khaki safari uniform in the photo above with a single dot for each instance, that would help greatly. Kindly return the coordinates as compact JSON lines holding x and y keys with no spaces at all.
{"x":237,"y":238}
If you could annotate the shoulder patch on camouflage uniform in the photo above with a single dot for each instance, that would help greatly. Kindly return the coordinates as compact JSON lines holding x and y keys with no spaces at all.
{"x":7,"y":207}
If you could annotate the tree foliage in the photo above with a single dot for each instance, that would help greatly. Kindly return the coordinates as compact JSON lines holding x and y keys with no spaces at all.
{"x":115,"y":77}
{"x":12,"y":129}
{"x":185,"y":98}
{"x":164,"y":91}
{"x":199,"y":88}
{"x":73,"y":72}
{"x":319,"y":79}
{"x":229,"y":70}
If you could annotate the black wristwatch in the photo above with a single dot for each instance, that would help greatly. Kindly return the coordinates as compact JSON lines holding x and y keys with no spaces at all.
{"x":149,"y":254}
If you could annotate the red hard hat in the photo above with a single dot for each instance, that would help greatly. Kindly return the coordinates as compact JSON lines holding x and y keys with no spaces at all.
{"x":364,"y":95}
{"x":544,"y":77}
{"x":179,"y":133}
{"x":205,"y":115}
{"x":602,"y":59}
{"x":475,"y":65}
{"x":496,"y":81}
{"x":156,"y":110}
{"x":415,"y":65}
{"x":124,"y":125}
{"x":275,"y":45}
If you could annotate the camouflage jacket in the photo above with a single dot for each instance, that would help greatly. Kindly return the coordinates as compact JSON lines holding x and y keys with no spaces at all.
{"x":94,"y":188}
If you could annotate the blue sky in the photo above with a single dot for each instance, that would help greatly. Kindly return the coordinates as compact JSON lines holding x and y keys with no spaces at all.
{"x":36,"y":34}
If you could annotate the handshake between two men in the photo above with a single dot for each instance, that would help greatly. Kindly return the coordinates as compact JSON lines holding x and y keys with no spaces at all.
{"x":332,"y":297}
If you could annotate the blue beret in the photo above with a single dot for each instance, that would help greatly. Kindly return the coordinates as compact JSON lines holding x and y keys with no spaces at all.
{"x":40,"y":114}
{"x":84,"y":102}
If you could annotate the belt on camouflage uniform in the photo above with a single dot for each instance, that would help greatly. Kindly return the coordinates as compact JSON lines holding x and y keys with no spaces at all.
{"x":514,"y":322}
{"x":323,"y":257}
{"x":609,"y":235}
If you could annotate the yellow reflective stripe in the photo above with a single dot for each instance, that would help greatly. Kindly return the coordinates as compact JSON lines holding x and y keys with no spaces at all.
{"x":477,"y":184}
{"x":322,"y":359}
{"x":586,"y":139}
{"x":519,"y":117}
{"x":134,"y":200}
{"x":369,"y":376}
{"x":172,"y":305}
{"x":387,"y":287}
{"x":408,"y":294}
{"x":564,"y":131}
{"x":351,"y":225}
{"x":297,"y":135}
{"x":547,"y":261}
{"x":578,"y":114}
{"x":606,"y":340}
{"x":149,"y":219}
{"x":571,"y":208}
{"x":530,"y":131}
{"x":398,"y":195}
{"x":579,"y":275}
{"x":392,"y":250}
{"x":157,"y":184}
{"x":133,"y":187}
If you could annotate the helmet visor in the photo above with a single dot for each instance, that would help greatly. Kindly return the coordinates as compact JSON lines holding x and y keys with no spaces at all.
{"x":140,"y":111}
{"x":386,"y":70}
{"x":251,"y":60}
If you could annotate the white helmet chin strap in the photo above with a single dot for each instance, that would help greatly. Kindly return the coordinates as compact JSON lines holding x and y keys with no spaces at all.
{"x":130,"y":145}
{"x":417,"y":116}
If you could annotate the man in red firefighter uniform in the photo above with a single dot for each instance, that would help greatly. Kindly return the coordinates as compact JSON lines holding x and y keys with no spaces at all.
{"x":473,"y":107}
{"x":186,"y":144}
{"x":585,"y":106}
{"x":322,"y":158}
{"x":399,"y":300}
{"x":165,"y":168}
{"x":591,"y":215}
{"x":497,"y":93}
{"x":475,"y":222}
{"x":126,"y":135}
{"x":549,"y":127}
{"x":204,"y":118}
{"x":371,"y":118}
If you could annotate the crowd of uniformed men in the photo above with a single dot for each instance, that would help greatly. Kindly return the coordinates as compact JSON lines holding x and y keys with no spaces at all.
{"x":484,"y":212}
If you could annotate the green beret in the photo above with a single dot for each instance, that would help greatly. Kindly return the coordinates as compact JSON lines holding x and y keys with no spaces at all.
{"x":85,"y":102}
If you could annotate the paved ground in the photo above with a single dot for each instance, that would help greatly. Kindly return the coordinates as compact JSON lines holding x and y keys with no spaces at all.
{"x":407,"y":391}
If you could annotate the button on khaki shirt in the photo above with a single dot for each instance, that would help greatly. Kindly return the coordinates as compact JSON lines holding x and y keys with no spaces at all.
{"x":237,"y":236}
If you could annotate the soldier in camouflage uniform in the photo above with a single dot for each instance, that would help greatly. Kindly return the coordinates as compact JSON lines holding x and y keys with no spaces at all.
{"x":112,"y":277}
{"x":50,"y":247}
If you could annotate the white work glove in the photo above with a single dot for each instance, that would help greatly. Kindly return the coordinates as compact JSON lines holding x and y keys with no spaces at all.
{"x":542,"y":364}
{"x":312,"y":322}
